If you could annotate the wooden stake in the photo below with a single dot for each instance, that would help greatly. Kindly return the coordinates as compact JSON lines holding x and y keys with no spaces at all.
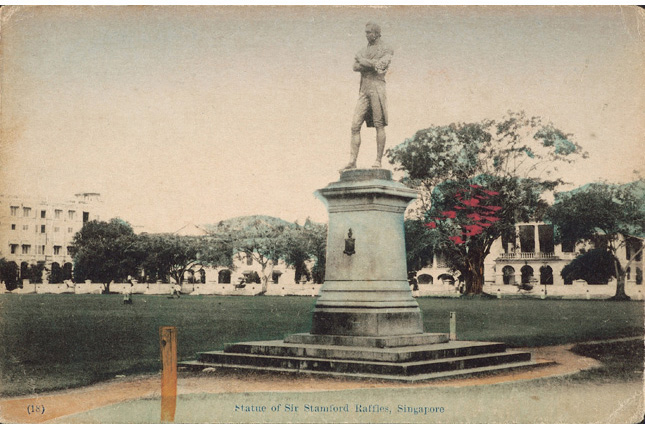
{"x":453,"y":326}
{"x":168,"y":342}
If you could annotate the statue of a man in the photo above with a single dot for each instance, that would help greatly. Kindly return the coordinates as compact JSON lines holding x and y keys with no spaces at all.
{"x":372,"y":62}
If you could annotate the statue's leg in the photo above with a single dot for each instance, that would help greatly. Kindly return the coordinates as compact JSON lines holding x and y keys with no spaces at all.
{"x":354,"y":147}
{"x":357,"y":122}
{"x":380,"y":146}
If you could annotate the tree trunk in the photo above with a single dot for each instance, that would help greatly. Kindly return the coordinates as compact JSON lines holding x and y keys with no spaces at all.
{"x":620,"y":282}
{"x":266,"y":268}
{"x":474,"y":279}
{"x":620,"y":289}
{"x":265,"y":285}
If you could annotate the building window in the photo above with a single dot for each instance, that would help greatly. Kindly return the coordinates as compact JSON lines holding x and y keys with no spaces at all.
{"x":70,"y":215}
{"x":43,"y":214}
{"x":57,"y":249}
{"x":14,"y":248}
{"x":527,"y":238}
{"x":14,"y":210}
{"x":69,"y":250}
{"x":26,"y":212}
{"x":13,"y":226}
{"x":545,"y":236}
{"x":25,"y":227}
{"x":56,"y":229}
{"x":632,"y":249}
{"x":508,"y":275}
{"x":40,"y":250}
{"x":508,"y":242}
{"x":425,"y":279}
{"x":26,"y":249}
{"x":546,"y":275}
{"x":58,"y":213}
{"x":568,"y":245}
{"x":86,"y":217}
{"x":224,"y":276}
{"x":527,"y":274}
{"x":69,"y":229}
{"x":42,"y":228}
{"x":275,"y":277}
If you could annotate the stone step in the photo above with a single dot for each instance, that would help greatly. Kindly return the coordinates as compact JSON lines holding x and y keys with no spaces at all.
{"x":395,"y":355}
{"x":363,"y":366}
{"x":198,"y":365}
{"x":369,"y":341}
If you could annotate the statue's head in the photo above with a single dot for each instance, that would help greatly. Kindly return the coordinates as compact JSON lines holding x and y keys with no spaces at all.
{"x":372,"y":31}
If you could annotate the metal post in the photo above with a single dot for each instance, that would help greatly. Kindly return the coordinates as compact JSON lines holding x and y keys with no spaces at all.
{"x":453,"y":326}
{"x":168,"y":342}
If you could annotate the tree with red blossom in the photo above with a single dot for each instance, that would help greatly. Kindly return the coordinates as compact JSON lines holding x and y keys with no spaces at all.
{"x":478,"y":180}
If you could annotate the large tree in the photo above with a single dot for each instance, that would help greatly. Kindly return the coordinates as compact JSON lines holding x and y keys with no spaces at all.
{"x":305,"y":243}
{"x":256,"y":238}
{"x":595,"y":266}
{"x":316,"y":238}
{"x":477,"y":180}
{"x":171,"y":256}
{"x":418,"y":243}
{"x":609,"y":217}
{"x":105,"y":252}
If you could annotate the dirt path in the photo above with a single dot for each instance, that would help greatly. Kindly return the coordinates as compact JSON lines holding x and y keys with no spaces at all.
{"x":68,"y":402}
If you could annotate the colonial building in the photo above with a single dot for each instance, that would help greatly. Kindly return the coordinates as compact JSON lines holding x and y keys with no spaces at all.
{"x":34,"y":230}
{"x":531,"y":256}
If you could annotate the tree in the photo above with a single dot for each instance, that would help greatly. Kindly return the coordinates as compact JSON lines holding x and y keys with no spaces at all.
{"x":316,"y":235}
{"x":595,"y":266}
{"x":255,"y":238}
{"x":303,"y":243}
{"x":478,"y":180}
{"x":418,"y":243}
{"x":171,"y":256}
{"x":36,"y":272}
{"x":9,"y":274}
{"x":105,"y":251}
{"x":609,"y":216}
{"x":296,"y":251}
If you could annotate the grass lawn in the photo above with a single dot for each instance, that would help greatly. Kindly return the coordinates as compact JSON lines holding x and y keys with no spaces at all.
{"x":52,"y":342}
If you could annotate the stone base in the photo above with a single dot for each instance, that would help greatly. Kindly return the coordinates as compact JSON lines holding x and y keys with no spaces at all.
{"x":401,"y":363}
{"x":368,"y":341}
{"x":356,"y":321}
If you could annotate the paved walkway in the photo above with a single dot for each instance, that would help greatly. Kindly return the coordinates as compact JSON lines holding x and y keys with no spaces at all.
{"x":538,"y":395}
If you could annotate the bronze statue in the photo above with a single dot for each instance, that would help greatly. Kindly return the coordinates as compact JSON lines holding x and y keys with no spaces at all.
{"x":372,"y":62}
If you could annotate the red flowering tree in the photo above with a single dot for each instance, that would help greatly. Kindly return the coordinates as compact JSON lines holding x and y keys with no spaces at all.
{"x":477,"y":181}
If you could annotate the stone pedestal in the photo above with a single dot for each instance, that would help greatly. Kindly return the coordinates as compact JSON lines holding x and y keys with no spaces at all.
{"x":366,"y":324}
{"x":366,"y":291}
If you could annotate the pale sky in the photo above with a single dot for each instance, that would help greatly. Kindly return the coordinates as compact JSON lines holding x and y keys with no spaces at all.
{"x":198,"y":114}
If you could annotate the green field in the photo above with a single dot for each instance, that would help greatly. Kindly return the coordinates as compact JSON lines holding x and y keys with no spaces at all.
{"x":51,"y":342}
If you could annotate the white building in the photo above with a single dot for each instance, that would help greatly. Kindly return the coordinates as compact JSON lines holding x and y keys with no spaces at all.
{"x":532,"y":256}
{"x":34,"y":230}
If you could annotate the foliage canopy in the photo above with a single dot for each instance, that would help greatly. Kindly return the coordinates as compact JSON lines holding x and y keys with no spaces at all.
{"x":477,"y":180}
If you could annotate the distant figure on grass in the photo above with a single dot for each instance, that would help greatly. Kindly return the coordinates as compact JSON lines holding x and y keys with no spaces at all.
{"x":176,"y":291}
{"x":372,"y":62}
{"x":127,"y":292}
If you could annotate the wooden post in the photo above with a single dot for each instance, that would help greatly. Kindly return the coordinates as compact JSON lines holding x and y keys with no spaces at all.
{"x":453,"y":325}
{"x":168,"y":342}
